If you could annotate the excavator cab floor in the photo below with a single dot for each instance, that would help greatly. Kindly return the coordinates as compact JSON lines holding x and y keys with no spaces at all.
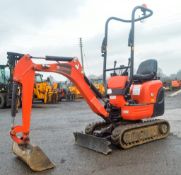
{"x":33,"y":156}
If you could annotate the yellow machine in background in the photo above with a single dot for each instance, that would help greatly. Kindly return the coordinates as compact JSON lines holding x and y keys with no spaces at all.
{"x":44,"y":91}
{"x":73,"y":90}
{"x":98,"y":83}
{"x":64,"y":92}
{"x":54,"y":88}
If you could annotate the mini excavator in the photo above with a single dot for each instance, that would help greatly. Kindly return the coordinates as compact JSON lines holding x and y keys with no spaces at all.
{"x":130,"y":103}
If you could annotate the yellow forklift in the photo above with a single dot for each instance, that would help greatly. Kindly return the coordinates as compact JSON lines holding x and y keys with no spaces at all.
{"x":43,"y":90}
{"x":73,"y":90}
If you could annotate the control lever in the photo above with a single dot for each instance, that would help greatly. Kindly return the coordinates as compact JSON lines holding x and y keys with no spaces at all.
{"x":120,"y":70}
{"x":114,"y":73}
{"x":115,"y":62}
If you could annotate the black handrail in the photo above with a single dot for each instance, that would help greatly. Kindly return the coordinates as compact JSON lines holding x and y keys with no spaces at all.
{"x":132,"y":21}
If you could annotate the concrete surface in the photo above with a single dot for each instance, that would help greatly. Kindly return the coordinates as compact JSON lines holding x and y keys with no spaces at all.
{"x":52,"y":127}
{"x":175,"y":93}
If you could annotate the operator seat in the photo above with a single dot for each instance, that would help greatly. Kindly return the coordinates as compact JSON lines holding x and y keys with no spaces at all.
{"x":147,"y":70}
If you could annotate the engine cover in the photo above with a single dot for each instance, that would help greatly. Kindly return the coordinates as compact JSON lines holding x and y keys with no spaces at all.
{"x":146,"y":92}
{"x":116,"y":90}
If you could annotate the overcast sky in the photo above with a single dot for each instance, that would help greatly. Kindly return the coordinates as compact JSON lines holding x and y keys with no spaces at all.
{"x":53,"y":27}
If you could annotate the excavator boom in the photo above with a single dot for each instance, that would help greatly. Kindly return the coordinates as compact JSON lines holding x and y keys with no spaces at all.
{"x":25,"y":70}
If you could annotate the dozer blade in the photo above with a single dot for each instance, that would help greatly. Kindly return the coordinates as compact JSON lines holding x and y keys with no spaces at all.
{"x":92,"y":142}
{"x":33,"y":156}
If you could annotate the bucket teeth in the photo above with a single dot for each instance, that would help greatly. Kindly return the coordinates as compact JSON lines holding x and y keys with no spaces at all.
{"x":92,"y":142}
{"x":33,"y":156}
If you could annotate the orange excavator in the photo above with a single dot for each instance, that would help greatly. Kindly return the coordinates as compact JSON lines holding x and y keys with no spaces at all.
{"x":130,"y":103}
{"x":175,"y":84}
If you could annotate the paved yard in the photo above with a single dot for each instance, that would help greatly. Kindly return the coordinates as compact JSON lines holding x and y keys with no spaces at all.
{"x":52,"y":127}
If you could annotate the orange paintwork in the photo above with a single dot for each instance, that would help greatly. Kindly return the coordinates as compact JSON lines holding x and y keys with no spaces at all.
{"x":176,"y":83}
{"x":148,"y":91}
{"x":144,"y":94}
{"x":117,"y":82}
{"x":137,"y":112}
{"x":25,"y":70}
{"x":117,"y":100}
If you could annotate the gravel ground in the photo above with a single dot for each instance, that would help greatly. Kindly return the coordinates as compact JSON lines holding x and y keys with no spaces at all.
{"x":52,"y":127}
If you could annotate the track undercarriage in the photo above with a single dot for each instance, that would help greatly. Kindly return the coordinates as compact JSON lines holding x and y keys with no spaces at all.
{"x":100,"y":135}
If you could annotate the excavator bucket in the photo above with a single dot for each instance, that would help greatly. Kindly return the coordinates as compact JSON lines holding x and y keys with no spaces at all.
{"x":92,"y":142}
{"x":33,"y":156}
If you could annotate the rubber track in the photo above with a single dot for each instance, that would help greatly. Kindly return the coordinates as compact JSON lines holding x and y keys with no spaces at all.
{"x":119,"y":132}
